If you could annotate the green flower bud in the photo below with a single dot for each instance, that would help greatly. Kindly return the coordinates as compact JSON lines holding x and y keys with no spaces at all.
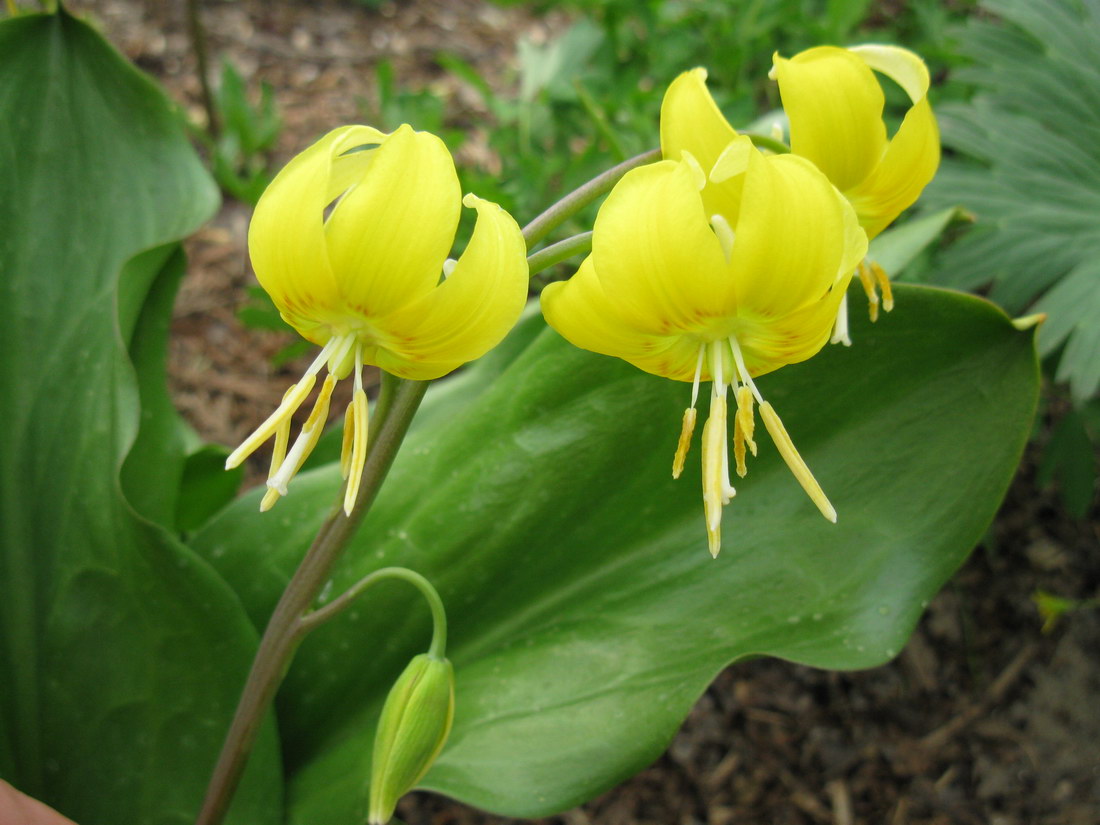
{"x":415,"y":722}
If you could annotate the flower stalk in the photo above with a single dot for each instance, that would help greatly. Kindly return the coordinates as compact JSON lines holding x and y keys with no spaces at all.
{"x":287,"y":627}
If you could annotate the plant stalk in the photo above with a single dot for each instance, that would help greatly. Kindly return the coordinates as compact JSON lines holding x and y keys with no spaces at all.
{"x":579,"y":198}
{"x":558,"y":252}
{"x":286,"y":628}
{"x":198,"y":46}
{"x":438,"y":647}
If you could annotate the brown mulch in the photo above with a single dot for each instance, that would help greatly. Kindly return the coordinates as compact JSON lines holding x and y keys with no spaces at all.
{"x":981,"y":720}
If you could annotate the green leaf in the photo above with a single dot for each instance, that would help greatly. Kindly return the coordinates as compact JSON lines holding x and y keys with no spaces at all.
{"x":121,"y":652}
{"x":586,"y":615}
{"x":1069,"y":459}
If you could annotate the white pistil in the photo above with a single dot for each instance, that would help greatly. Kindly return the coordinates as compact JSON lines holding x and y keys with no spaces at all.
{"x":725,"y":234}
{"x":840,"y":326}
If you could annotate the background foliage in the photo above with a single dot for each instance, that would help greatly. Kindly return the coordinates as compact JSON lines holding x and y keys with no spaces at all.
{"x":549,"y":547}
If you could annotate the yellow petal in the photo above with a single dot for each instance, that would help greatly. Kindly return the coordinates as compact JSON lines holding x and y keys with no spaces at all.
{"x":389,"y":235}
{"x":834,"y":103}
{"x":910,"y":161}
{"x":901,"y":65}
{"x":789,"y":246}
{"x":769,"y":344}
{"x":692,"y":122}
{"x":470,"y":312}
{"x":581,"y":311}
{"x":655,"y":254}
{"x":286,"y":236}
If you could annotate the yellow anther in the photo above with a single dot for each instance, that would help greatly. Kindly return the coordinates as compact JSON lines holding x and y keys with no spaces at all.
{"x":270,"y":497}
{"x":282,"y":438}
{"x":884,"y":284}
{"x":306,"y":441}
{"x":794,"y":461}
{"x":684,"y":444}
{"x":358,"y":448}
{"x":868,"y":280}
{"x":291,"y":402}
{"x":714,"y":451}
{"x":346,"y":443}
{"x":744,"y":415}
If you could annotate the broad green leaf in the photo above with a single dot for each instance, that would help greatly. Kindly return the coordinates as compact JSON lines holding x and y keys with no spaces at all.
{"x":586,"y":614}
{"x":121,"y":652}
{"x":1028,"y":166}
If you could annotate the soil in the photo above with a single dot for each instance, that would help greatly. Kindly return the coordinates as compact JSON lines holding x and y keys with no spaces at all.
{"x":983,"y":719}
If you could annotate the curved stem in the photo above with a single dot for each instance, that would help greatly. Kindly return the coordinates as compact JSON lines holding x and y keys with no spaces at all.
{"x":318,"y":617}
{"x":580,"y":197}
{"x":768,"y":142}
{"x":558,"y":252}
{"x":284,"y":630}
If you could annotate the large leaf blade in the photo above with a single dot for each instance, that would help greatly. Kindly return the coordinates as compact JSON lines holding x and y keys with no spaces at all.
{"x":586,"y":615}
{"x":121,"y":653}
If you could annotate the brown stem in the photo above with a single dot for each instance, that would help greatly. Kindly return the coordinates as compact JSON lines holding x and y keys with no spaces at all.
{"x":198,"y":45}
{"x":285,"y":629}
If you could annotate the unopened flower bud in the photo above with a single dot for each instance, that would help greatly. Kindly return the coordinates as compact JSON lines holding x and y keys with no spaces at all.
{"x":414,"y":725}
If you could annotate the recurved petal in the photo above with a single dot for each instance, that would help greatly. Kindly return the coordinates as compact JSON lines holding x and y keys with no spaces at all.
{"x":900,"y":65}
{"x":470,"y":312}
{"x":770,"y":343}
{"x":286,"y":236}
{"x":389,"y":235}
{"x":655,"y":254}
{"x":790,"y":245}
{"x":834,"y":104}
{"x":691,"y":122}
{"x":909,"y":164}
{"x":584,"y":315}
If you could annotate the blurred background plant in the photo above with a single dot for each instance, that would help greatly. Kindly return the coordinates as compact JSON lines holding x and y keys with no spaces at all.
{"x":1025,"y":159}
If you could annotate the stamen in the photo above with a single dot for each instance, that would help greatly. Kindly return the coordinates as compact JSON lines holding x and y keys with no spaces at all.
{"x":290,"y":404}
{"x":743,"y":426}
{"x":687,"y":427}
{"x":794,"y":461}
{"x":307,"y":439}
{"x":282,"y":438}
{"x":725,"y":234}
{"x":840,"y":326}
{"x":868,"y":281}
{"x":698,"y":373}
{"x":346,"y":442}
{"x":684,"y":444}
{"x":884,"y":284}
{"x":359,"y":437}
{"x":714,"y":437}
{"x":743,"y":371}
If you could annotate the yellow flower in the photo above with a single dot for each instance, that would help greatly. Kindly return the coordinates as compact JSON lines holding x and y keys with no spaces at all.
{"x":351,"y":242}
{"x":720,"y":266}
{"x":834,"y":103}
